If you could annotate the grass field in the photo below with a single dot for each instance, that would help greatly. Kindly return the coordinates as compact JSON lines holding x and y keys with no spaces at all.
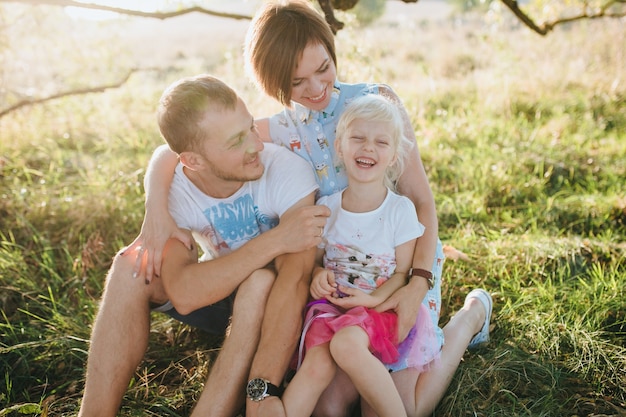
{"x":523,"y":139}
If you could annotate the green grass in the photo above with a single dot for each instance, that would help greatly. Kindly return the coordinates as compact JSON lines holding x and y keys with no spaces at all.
{"x":523,"y":139}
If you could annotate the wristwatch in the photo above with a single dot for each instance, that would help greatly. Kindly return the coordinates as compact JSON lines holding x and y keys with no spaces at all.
{"x":258,"y":389}
{"x":418,"y":272}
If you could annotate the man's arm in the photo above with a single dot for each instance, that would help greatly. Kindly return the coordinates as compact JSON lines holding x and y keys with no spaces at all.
{"x":191,"y":284}
{"x":282,"y":322}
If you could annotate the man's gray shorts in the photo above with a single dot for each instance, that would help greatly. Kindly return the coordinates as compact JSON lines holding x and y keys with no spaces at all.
{"x":211,"y":319}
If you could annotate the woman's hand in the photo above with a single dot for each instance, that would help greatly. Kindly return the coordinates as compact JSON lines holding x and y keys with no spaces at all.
{"x":405,"y":301}
{"x":148,"y":246}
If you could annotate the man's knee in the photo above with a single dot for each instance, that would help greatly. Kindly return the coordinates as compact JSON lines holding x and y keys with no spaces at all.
{"x":121,"y":284}
{"x":258,"y":284}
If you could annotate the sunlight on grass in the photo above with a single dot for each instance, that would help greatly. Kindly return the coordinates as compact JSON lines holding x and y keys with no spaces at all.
{"x":523,"y":139}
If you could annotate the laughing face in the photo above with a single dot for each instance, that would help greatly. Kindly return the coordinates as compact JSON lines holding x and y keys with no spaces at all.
{"x":367,"y":150}
{"x":314,"y":78}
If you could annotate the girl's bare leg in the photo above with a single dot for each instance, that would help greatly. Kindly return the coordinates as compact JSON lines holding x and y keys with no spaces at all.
{"x":338,"y":399}
{"x":350,"y":350}
{"x":306,"y":387}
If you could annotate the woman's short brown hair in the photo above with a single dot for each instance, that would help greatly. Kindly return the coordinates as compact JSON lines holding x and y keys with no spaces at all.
{"x":183,"y":106}
{"x":277,"y":36}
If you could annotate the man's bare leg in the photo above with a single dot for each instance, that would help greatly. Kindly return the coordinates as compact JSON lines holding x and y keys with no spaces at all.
{"x":119,"y":338}
{"x":224,"y":391}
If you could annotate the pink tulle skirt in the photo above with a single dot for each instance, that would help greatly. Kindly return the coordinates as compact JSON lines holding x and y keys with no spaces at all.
{"x":324,"y":319}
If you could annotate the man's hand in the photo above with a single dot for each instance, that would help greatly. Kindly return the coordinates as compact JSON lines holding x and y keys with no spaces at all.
{"x":406,"y":303}
{"x":301,"y":228}
{"x":269,"y":407}
{"x":149,"y":245}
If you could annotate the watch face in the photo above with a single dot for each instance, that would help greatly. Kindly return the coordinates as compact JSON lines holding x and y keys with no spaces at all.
{"x":256,"y":389}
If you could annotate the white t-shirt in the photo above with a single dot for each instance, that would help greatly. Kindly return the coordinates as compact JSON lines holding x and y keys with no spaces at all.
{"x":221,"y":225}
{"x":360,"y":247}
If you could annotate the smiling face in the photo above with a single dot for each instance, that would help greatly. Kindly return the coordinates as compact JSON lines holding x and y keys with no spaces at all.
{"x":314,"y":77}
{"x":367,"y":149}
{"x":229,"y":156}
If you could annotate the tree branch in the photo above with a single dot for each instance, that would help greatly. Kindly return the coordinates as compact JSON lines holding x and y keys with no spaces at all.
{"x":86,"y":90}
{"x":329,"y":14}
{"x":548,"y":26}
{"x":155,"y":15}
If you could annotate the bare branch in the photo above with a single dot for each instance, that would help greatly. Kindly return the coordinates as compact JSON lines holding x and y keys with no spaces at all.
{"x":79,"y":91}
{"x":329,"y":14}
{"x":548,"y":26}
{"x":155,"y":15}
{"x":512,"y":4}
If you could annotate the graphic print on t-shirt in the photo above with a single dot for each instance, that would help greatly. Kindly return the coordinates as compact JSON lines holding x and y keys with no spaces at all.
{"x":236,"y":222}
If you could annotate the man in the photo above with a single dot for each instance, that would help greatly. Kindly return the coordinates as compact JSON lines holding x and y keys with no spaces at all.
{"x":230,"y":193}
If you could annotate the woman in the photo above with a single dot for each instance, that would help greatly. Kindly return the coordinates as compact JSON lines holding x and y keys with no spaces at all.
{"x":290,"y":53}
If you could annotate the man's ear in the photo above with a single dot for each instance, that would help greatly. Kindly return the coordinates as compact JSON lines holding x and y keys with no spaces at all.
{"x":191,"y":160}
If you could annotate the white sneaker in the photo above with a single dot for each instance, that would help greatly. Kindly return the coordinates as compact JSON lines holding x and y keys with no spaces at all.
{"x":483,"y":335}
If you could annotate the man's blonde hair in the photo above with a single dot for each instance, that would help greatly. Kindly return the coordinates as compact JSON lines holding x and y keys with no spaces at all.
{"x":183,"y":106}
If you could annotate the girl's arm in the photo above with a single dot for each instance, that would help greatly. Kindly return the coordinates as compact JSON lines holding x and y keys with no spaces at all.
{"x":323,"y":281}
{"x":158,"y":226}
{"x":356,"y":297}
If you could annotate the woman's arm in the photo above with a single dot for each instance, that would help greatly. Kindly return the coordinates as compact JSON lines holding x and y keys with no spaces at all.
{"x":158,"y":226}
{"x":413,"y":183}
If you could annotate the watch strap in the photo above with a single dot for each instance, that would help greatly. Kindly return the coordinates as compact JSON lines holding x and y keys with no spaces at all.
{"x":419,"y":272}
{"x":273,"y":390}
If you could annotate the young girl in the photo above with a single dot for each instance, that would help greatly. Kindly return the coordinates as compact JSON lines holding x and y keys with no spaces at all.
{"x":368,"y":246}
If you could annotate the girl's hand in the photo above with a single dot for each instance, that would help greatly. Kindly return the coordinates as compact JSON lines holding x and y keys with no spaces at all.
{"x":323,"y":283}
{"x":352,"y":297}
{"x":148,"y":246}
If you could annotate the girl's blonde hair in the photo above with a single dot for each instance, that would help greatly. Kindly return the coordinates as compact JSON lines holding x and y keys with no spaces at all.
{"x":376,"y":108}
